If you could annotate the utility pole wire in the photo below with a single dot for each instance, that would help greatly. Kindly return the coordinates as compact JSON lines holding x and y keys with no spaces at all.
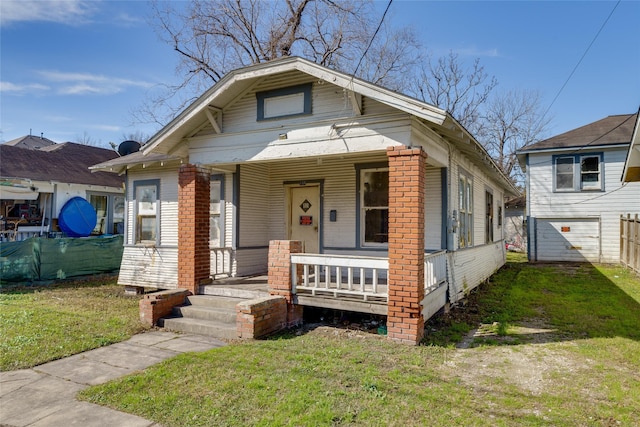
{"x":355,"y":72}
{"x":581,"y":58}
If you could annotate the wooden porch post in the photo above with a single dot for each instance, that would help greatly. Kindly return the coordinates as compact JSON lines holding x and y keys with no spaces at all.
{"x":405,"y":322}
{"x":194,"y":256}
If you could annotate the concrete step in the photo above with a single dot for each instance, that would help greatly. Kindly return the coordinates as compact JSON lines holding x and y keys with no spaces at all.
{"x":220,"y":314}
{"x":245,"y":294}
{"x":200,"y":327}
{"x":211,"y":301}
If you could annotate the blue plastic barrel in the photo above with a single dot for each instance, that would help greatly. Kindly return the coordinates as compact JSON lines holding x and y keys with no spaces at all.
{"x":77,"y":218}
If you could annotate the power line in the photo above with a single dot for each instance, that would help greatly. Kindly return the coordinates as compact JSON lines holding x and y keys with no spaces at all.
{"x":373,"y":37}
{"x":581,"y":58}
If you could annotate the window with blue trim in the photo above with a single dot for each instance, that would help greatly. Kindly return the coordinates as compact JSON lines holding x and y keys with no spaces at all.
{"x":578,"y":172}
{"x":374,"y":206}
{"x":286,"y":102}
{"x":147,"y":211}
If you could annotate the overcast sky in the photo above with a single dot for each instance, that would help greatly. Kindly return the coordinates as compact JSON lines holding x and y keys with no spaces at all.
{"x":71,"y":69}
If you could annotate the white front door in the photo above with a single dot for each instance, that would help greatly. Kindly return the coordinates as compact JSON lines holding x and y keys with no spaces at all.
{"x":304,"y":216}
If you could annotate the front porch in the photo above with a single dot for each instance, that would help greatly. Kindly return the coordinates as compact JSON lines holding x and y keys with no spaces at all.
{"x":393,"y":286}
{"x":339,"y":282}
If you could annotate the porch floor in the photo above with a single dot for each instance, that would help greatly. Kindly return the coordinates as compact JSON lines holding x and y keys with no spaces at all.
{"x":247,"y":283}
{"x":319,"y":297}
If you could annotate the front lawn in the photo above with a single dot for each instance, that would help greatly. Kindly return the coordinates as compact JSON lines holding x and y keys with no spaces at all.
{"x":550,"y":345}
{"x":41,"y":324}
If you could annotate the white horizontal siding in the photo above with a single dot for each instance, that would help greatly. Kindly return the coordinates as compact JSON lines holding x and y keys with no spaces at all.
{"x":254,"y":205}
{"x":252,"y":261}
{"x":149,"y":267}
{"x":468,"y":268}
{"x":607,"y":205}
{"x":328,"y":101}
{"x":575,"y":239}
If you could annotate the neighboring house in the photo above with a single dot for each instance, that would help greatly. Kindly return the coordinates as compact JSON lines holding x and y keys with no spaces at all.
{"x":574,"y":194}
{"x":38,"y":176}
{"x":515,"y":233}
{"x":631,"y":171}
{"x":290,"y":150}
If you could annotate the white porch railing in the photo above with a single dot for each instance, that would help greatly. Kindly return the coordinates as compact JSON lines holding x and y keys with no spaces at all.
{"x":435,"y":270}
{"x":364,"y":278}
{"x":357,"y":277}
{"x":221,"y":262}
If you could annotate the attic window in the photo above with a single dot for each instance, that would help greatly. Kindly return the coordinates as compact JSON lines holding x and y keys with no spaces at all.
{"x":286,"y":102}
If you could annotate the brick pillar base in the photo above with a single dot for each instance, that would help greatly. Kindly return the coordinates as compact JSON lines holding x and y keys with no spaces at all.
{"x":280,"y":276}
{"x":405,"y":322}
{"x":194,"y":257}
{"x":160,"y":304}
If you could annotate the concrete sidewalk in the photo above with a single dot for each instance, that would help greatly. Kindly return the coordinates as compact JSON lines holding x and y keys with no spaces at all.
{"x":45,"y":395}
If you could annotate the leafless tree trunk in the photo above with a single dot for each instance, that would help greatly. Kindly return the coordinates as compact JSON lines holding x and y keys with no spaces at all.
{"x":215,"y":37}
{"x":512,"y":120}
{"x":462,"y":92}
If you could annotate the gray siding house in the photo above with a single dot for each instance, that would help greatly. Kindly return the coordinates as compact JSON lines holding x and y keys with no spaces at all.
{"x":574,"y":192}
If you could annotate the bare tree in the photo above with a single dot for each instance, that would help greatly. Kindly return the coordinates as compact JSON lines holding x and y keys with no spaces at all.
{"x":86,"y":139}
{"x":461,"y":91}
{"x":215,"y":37}
{"x":512,"y":120}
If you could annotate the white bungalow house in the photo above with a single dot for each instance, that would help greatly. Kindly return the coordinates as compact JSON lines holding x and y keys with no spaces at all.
{"x":575,"y":197}
{"x":382,"y":190}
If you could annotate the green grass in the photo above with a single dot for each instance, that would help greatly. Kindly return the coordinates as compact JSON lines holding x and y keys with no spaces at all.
{"x":580,"y":366}
{"x":41,"y":324}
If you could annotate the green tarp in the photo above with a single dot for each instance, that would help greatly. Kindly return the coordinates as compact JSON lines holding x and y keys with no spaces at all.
{"x":39,"y":258}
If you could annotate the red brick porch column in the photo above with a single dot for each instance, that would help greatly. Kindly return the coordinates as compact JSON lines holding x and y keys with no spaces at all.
{"x":405,"y":322}
{"x":279,"y":279}
{"x":194,"y":257}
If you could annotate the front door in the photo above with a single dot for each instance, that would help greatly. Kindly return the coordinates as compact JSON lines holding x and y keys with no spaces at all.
{"x":304,"y":216}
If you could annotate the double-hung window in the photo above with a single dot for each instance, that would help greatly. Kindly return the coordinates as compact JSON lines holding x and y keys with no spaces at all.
{"x":147,"y":211}
{"x":465,"y":202}
{"x":374,"y":206}
{"x":489,"y":217}
{"x":578,"y":172}
{"x":216,"y":212}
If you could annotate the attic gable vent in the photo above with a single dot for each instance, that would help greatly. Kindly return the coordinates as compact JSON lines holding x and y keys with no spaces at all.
{"x":286,"y":102}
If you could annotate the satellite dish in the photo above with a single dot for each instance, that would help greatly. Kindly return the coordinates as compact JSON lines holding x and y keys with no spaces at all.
{"x":128,"y":147}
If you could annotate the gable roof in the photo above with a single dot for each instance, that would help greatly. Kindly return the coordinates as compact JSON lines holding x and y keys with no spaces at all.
{"x":238,"y":81}
{"x":66,"y":163}
{"x":30,"y":142}
{"x":612,"y":130}
{"x":167,"y":140}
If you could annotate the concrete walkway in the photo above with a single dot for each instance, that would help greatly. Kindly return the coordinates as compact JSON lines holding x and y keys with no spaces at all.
{"x":44,"y":396}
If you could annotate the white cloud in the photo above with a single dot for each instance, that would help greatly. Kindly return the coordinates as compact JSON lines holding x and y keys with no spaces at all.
{"x":475,"y":52}
{"x":69,"y":12}
{"x":109,"y":128}
{"x":74,"y":83}
{"x":21,"y":89}
{"x":127,"y":20}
